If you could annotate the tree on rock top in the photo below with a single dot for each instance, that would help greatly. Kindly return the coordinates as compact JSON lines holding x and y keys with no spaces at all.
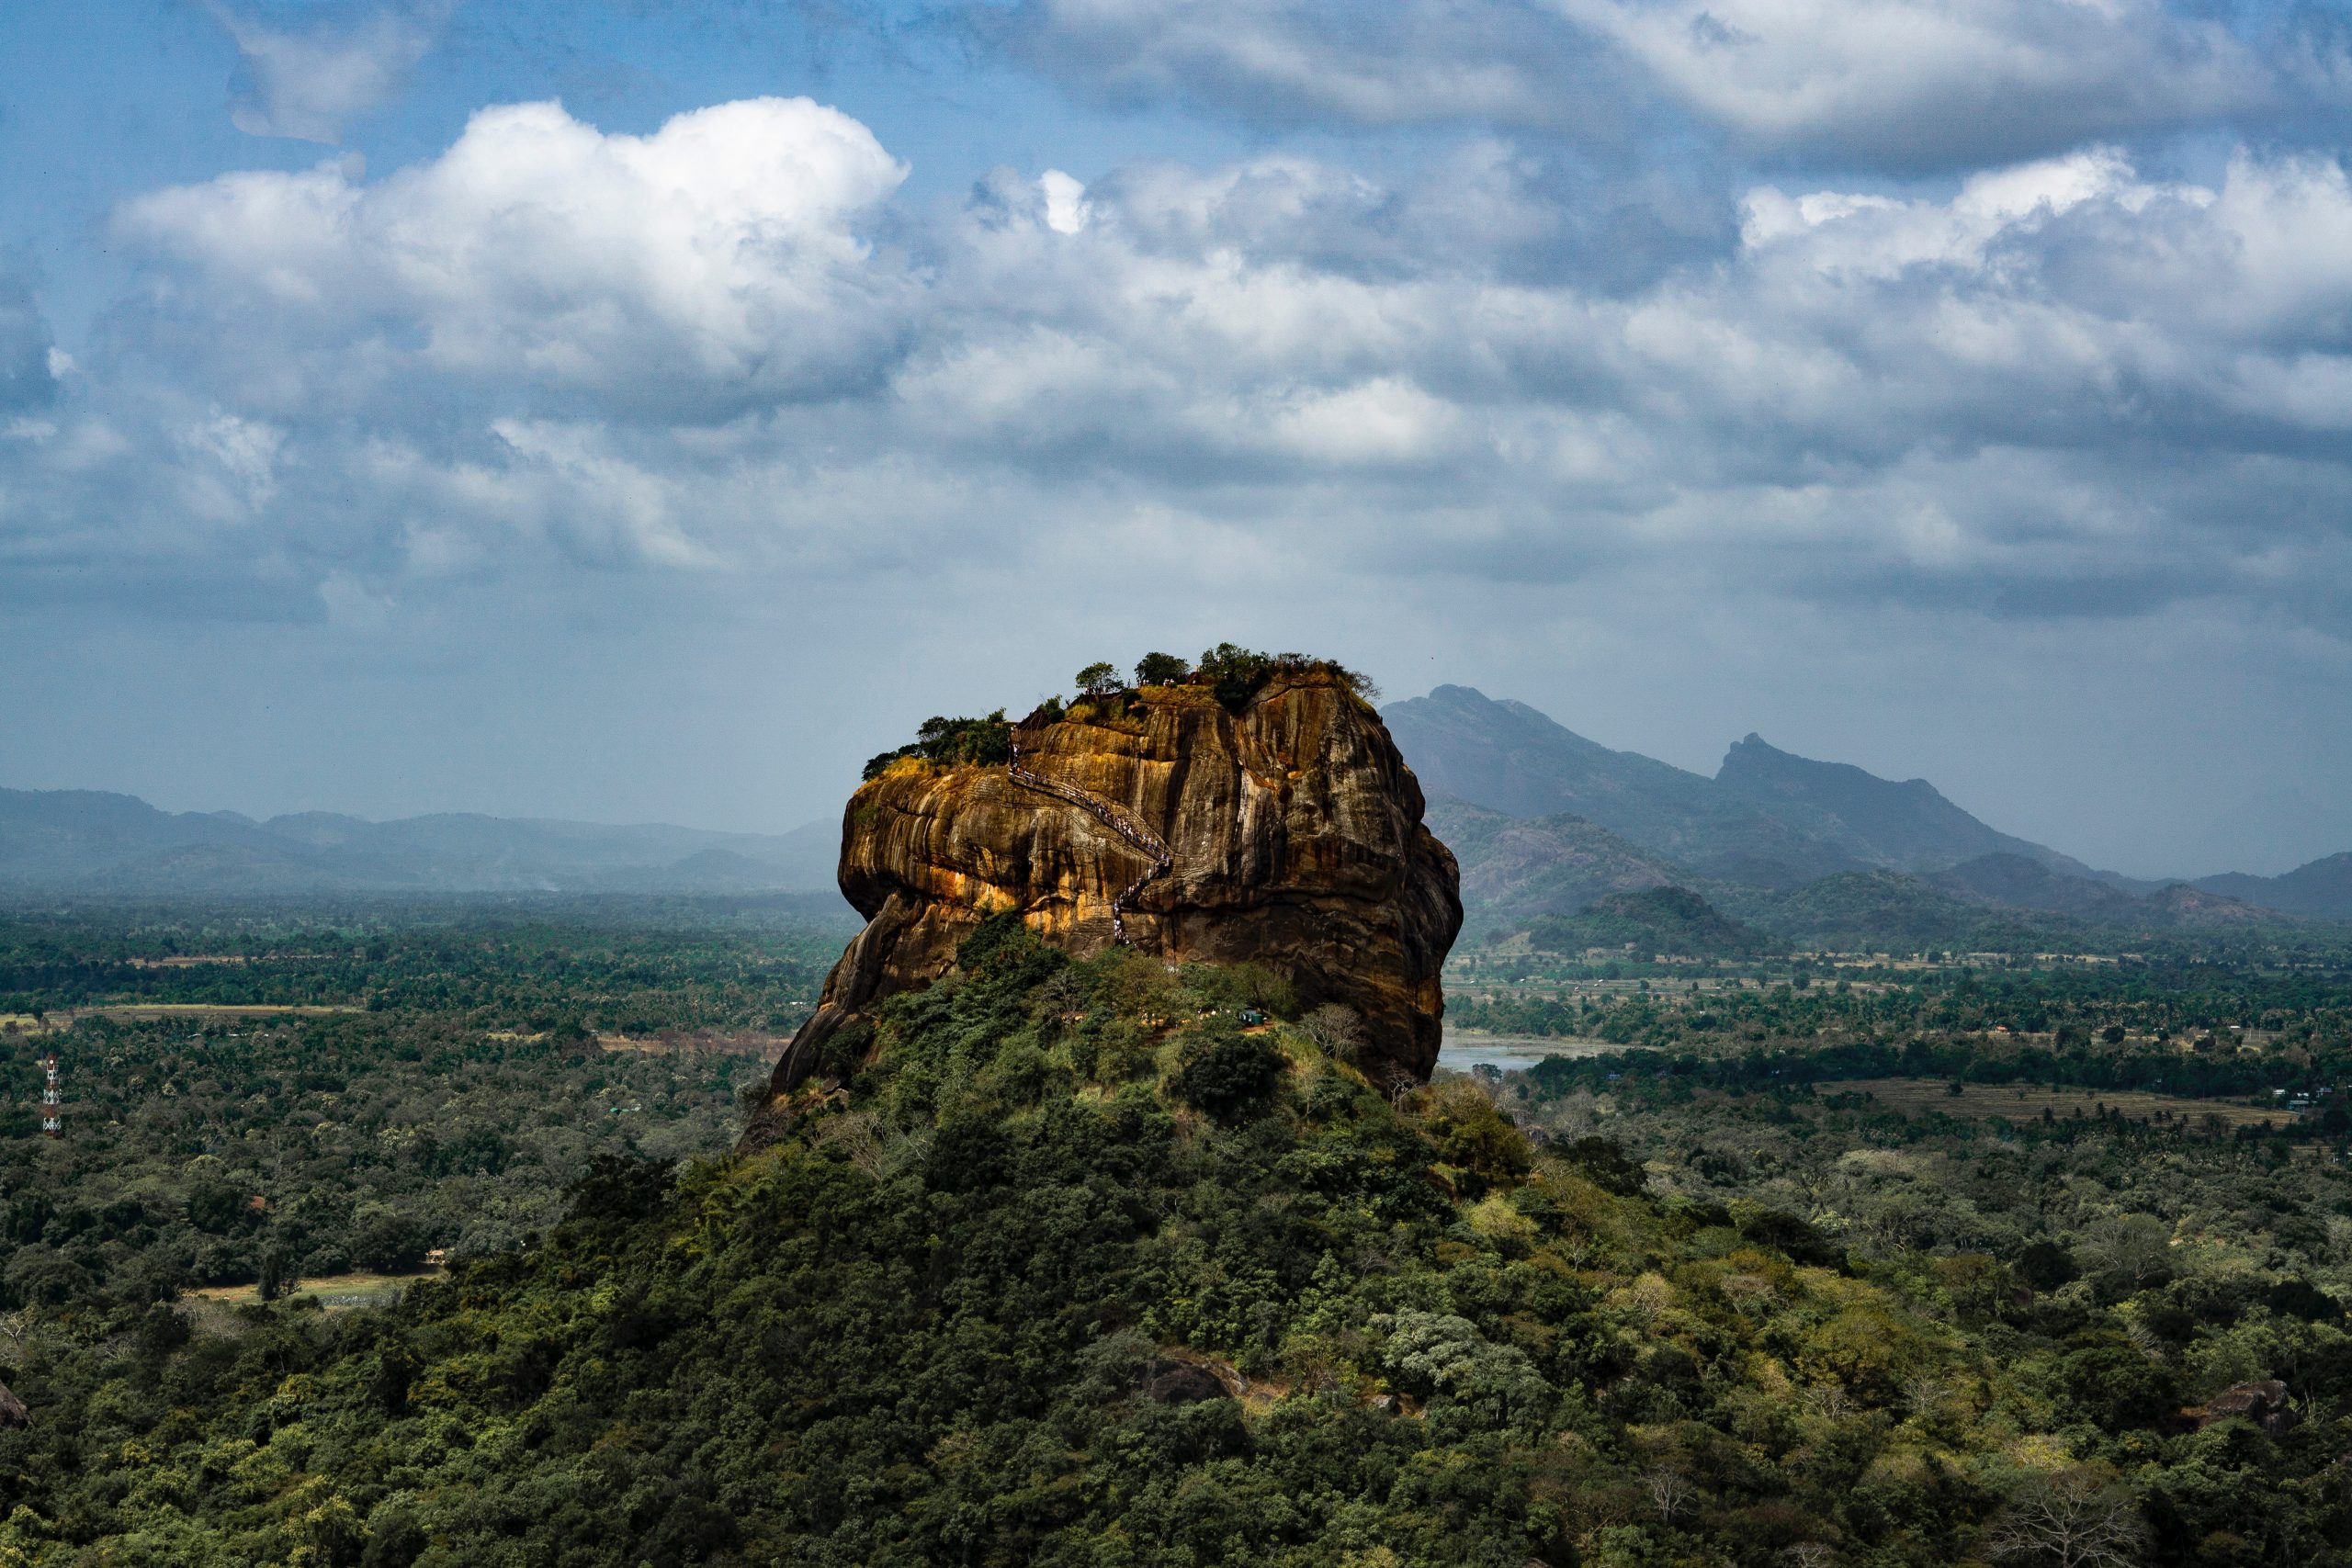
{"x":1162,"y":669}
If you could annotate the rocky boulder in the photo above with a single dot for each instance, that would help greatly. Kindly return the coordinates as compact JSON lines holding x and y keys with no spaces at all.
{"x":2265,"y":1403}
{"x":1285,"y":831}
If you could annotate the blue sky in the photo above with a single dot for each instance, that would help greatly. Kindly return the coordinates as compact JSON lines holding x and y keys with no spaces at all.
{"x":632,"y":410}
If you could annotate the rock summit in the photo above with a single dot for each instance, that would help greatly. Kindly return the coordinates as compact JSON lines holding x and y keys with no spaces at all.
{"x":1281,"y":829}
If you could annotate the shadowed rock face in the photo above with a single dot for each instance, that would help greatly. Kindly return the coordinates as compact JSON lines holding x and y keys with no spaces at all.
{"x":1294,"y":828}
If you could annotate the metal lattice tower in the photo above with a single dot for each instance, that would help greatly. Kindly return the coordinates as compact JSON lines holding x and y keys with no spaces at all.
{"x":52,"y":1107}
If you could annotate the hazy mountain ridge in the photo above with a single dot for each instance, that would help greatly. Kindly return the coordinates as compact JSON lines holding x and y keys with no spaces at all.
{"x":1545,"y":822}
{"x":1511,"y":758}
{"x":2322,"y":888}
{"x":1514,"y":869}
{"x":96,"y":842}
{"x":1908,"y":826}
{"x":1766,"y":812}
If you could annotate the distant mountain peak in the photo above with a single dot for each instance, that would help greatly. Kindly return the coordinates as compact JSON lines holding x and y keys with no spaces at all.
{"x":2322,"y":888}
{"x":1768,"y":817}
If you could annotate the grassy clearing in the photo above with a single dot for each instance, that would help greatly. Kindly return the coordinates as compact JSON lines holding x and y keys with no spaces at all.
{"x":335,"y":1293}
{"x":2024,"y":1102}
{"x":767,"y":1047}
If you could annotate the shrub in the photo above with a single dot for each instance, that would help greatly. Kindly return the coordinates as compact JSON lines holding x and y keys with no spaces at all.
{"x":383,"y":1243}
{"x":1234,"y":673}
{"x":218,"y":1209}
{"x":1604,"y":1163}
{"x":1337,"y":1030}
{"x":1478,"y":1140}
{"x":1228,"y":1075}
{"x":953,"y":742}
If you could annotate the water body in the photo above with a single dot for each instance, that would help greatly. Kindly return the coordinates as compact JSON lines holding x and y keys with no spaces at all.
{"x":1461,"y":1050}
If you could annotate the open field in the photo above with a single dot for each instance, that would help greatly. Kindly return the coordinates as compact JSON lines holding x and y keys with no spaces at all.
{"x":676,"y":1042}
{"x":2021,"y":1102}
{"x":335,"y":1293}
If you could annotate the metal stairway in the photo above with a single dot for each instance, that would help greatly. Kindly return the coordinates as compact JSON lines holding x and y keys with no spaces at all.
{"x":1114,"y":817}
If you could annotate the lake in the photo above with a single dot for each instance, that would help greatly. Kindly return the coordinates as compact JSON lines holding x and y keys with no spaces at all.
{"x":1461,"y":1051}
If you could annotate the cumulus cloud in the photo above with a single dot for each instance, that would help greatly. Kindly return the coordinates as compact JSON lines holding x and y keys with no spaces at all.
{"x":1902,"y":85}
{"x":29,"y":363}
{"x":1912,"y":83}
{"x":309,"y":80}
{"x":2053,"y":389}
{"x":2052,"y":392}
{"x":714,"y":263}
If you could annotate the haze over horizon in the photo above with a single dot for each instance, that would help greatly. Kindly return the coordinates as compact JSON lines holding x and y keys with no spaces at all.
{"x":647,"y":412}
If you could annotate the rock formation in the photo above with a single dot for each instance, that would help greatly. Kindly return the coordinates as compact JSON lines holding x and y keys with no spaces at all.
{"x":1293,"y":836}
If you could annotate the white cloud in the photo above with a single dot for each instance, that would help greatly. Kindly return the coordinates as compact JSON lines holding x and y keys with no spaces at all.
{"x":1929,"y":81}
{"x":1066,"y":210}
{"x":1410,"y":59}
{"x":713,"y":264}
{"x":2056,"y":388}
{"x":309,"y":81}
{"x":1883,"y":83}
{"x":30,"y":365}
{"x":235,"y":474}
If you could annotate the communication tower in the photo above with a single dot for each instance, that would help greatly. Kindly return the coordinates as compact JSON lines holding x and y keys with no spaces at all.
{"x":53,"y":1119}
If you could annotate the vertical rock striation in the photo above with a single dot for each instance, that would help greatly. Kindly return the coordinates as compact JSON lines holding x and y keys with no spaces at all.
{"x":1293,"y":839}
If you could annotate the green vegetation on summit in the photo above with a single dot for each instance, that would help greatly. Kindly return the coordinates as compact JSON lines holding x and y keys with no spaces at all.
{"x":1230,"y":673}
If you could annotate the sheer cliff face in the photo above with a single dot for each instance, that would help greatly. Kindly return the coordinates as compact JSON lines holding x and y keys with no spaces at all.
{"x":1294,"y":838}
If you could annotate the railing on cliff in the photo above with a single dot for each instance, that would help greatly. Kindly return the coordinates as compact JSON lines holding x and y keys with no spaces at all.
{"x":1113,"y":816}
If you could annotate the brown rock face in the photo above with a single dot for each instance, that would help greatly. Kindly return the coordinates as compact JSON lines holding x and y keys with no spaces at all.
{"x":1294,"y":836}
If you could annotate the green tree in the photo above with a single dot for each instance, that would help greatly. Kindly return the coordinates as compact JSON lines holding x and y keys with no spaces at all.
{"x":1228,"y":1074}
{"x":1161,"y":670}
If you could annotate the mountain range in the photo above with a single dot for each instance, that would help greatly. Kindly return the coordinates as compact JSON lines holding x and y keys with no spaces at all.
{"x":1546,"y":822}
{"x":1543,"y":822}
{"x":87,"y":841}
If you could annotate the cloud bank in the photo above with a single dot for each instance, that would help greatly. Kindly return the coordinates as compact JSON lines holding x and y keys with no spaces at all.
{"x":2049,"y":392}
{"x":1776,"y":333}
{"x":1903,"y":84}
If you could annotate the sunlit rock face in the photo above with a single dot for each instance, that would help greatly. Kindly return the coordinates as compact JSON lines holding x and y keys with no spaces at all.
{"x":1295,"y":841}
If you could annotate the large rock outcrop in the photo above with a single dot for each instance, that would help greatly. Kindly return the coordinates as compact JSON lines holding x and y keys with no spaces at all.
{"x":1293,"y":839}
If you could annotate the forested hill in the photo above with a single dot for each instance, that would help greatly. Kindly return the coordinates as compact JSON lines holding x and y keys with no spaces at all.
{"x":1081,"y":1269}
{"x":2324,"y":888}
